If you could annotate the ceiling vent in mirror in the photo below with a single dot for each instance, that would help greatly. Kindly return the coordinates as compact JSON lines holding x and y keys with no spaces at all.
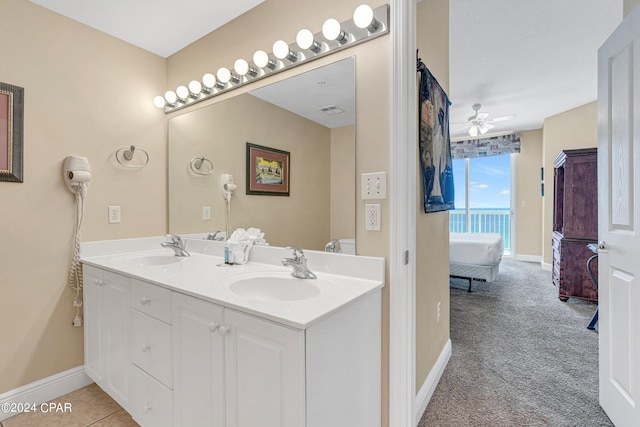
{"x":331,"y":110}
{"x":367,"y":24}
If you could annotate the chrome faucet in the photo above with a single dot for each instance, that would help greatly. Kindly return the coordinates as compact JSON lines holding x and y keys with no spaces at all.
{"x":332,"y":246}
{"x":299,"y":264}
{"x":176,"y":243}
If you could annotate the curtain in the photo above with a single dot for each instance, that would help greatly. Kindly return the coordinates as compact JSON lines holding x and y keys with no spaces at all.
{"x":486,"y":147}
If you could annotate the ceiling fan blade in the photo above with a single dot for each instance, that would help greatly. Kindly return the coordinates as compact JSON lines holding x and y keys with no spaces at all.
{"x":467,"y":125}
{"x":503,"y":118}
{"x":485,"y":127}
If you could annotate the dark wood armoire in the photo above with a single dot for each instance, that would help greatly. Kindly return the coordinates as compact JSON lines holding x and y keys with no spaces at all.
{"x":575,"y":222}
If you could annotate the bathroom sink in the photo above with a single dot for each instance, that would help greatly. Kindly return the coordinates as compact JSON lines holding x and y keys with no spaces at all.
{"x":275,"y":287}
{"x":153,"y":260}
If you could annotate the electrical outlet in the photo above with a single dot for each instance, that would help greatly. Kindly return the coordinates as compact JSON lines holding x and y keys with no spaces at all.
{"x":372,"y":219}
{"x":206,"y":213}
{"x":438,"y":312}
{"x":114,"y":215}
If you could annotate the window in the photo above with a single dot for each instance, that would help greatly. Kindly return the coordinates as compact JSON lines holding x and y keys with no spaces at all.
{"x":483,"y":196}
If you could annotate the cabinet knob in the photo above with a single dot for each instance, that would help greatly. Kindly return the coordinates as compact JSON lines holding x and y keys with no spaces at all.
{"x":214,"y":327}
{"x":145,"y":348}
{"x":601,"y":244}
{"x":224,"y":331}
{"x":145,"y":301}
{"x":99,"y":282}
{"x":146,"y":408}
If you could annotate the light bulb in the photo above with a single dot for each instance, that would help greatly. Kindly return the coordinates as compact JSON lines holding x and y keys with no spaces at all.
{"x":331,"y":30}
{"x":182,"y":92}
{"x":281,"y":51}
{"x":260,"y":58}
{"x":363,"y":18}
{"x":159,"y":101}
{"x":224,"y":75}
{"x":241,"y":67}
{"x":209,"y":81}
{"x":305,"y":40}
{"x":195,"y":87}
{"x":171,"y":97}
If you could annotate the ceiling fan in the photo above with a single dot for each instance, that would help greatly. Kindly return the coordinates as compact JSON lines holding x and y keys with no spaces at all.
{"x":480,"y":122}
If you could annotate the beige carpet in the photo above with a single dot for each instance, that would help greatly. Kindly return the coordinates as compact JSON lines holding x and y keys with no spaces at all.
{"x":520,"y":356}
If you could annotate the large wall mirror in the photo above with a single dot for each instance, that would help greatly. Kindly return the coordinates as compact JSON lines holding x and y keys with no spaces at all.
{"x":312,"y":117}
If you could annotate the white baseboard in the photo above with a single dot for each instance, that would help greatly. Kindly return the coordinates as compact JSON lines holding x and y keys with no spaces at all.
{"x":547,"y":267}
{"x":528,"y":258}
{"x":426,"y":391}
{"x":45,"y":389}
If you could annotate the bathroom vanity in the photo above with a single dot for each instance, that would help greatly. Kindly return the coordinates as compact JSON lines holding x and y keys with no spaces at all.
{"x":184,"y":341}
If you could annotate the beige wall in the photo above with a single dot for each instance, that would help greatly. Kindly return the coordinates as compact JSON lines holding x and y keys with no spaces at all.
{"x":629,"y":5}
{"x":577,"y":128}
{"x":220,"y":133}
{"x":86,"y":94}
{"x":432,"y":230}
{"x":343,"y":183}
{"x":528,"y":202}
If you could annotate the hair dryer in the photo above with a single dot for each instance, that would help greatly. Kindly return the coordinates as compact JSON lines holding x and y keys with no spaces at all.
{"x":77,"y":174}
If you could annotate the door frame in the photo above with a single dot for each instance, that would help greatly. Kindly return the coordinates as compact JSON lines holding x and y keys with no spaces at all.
{"x":402,"y":223}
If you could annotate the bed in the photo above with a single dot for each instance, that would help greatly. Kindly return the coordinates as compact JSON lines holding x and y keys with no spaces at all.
{"x":475,"y":256}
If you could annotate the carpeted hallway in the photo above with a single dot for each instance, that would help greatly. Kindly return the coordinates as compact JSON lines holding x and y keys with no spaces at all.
{"x":520,"y":356}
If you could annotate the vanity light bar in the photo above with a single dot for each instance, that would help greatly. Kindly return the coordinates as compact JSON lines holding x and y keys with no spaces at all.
{"x":366,"y":24}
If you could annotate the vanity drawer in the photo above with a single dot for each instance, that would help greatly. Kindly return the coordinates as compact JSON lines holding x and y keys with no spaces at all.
{"x":151,"y":402}
{"x":151,"y":346}
{"x":151,"y":299}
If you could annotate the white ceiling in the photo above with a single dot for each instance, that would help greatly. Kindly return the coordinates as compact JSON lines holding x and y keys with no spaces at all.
{"x":306,"y":93}
{"x":159,"y":26}
{"x":530,"y":58}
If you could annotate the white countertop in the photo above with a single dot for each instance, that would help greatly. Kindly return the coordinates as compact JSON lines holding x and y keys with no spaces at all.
{"x":341,"y":278}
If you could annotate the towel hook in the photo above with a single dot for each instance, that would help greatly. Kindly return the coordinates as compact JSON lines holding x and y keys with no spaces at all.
{"x":196,"y":165}
{"x":126,"y":154}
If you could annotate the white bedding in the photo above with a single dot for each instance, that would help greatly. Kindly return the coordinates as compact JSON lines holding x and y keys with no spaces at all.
{"x":475,"y":248}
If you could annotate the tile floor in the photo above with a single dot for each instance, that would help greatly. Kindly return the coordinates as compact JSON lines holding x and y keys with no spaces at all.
{"x":89,"y":406}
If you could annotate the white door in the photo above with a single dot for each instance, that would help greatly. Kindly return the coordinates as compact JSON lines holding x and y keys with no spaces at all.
{"x":619,"y":222}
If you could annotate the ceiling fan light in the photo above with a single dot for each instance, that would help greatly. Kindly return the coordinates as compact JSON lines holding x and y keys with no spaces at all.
{"x":473,"y":130}
{"x":483,"y":128}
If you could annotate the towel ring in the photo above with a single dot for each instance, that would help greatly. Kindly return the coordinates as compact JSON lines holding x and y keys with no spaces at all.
{"x":126,"y":154}
{"x":196,"y":165}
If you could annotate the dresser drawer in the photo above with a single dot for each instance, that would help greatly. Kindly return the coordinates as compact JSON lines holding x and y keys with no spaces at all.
{"x":151,"y":299}
{"x":151,"y":347}
{"x":151,"y":402}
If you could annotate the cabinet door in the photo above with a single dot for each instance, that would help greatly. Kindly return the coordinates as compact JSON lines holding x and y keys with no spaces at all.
{"x":264,"y":367}
{"x":107,"y":331}
{"x":198,"y":381}
{"x":92,"y":295}
{"x":581,"y":198}
{"x":116,"y":342}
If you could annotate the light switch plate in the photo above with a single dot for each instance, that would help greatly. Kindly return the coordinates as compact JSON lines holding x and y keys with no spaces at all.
{"x":374,"y":186}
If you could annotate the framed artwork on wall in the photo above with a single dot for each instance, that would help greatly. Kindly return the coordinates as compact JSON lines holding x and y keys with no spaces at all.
{"x":267,"y":171}
{"x":11,"y":132}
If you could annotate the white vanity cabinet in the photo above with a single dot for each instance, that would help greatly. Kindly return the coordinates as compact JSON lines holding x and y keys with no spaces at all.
{"x":107,"y":332}
{"x":172,"y":359}
{"x":232,"y":369}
